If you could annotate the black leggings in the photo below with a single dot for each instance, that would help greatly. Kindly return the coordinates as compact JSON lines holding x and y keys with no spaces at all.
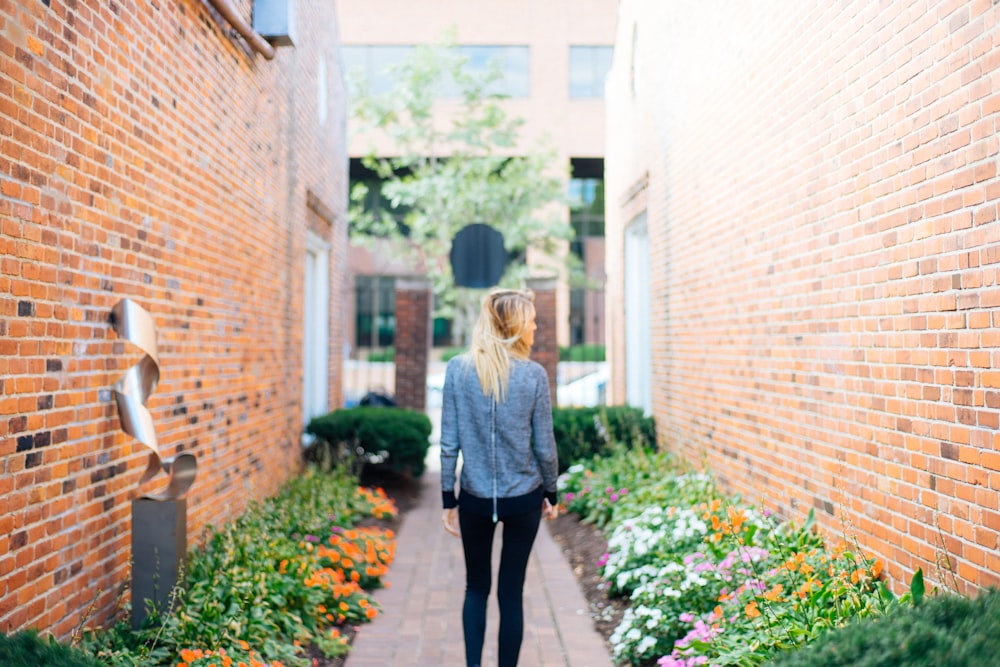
{"x":477,"y":542}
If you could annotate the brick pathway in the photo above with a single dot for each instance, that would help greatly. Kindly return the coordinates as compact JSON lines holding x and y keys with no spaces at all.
{"x":421,"y":623}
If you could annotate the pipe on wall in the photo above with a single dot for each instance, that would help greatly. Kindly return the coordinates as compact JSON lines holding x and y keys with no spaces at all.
{"x":256,"y":42}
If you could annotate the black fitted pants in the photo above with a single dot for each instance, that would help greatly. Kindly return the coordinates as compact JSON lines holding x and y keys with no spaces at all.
{"x":477,"y":542}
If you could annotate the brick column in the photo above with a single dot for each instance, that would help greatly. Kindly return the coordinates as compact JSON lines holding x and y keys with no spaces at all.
{"x":413,"y":341}
{"x":546,"y":348}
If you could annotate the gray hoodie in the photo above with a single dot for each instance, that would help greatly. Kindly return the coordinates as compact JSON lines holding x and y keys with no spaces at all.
{"x":508,"y":448}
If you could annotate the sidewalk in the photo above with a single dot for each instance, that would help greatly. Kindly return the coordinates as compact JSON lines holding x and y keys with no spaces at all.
{"x":421,"y":620}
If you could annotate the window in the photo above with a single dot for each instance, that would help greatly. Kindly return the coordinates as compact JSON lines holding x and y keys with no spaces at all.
{"x":588,"y":68}
{"x":586,"y":214}
{"x":638,"y":325}
{"x":375,"y":306}
{"x":372,"y":63}
{"x":316,"y":331}
{"x":374,"y":202}
{"x":513,"y":64}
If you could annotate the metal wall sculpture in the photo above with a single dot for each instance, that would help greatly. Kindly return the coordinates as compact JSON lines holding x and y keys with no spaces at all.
{"x":135,"y":325}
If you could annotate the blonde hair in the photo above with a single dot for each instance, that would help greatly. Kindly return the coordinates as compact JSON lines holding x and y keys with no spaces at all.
{"x":498,"y":336}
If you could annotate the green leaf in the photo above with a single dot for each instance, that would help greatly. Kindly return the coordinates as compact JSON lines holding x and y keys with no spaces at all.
{"x":917,"y":588}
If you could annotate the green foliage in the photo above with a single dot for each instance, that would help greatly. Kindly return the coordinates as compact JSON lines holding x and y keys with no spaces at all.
{"x":28,"y":649}
{"x":382,"y":355}
{"x":451,"y":352}
{"x":625,"y":481}
{"x":395,"y":438}
{"x":709,"y":580}
{"x":474,"y":167}
{"x":286,"y":572}
{"x":586,"y":352}
{"x":945,"y":629}
{"x":582,"y":433}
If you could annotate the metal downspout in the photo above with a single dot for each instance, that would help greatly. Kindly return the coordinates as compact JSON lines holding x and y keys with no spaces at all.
{"x":255,"y":41}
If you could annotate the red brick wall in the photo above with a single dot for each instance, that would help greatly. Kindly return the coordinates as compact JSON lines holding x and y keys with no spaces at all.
{"x":822,"y":210}
{"x":146,"y":153}
{"x":413,"y":341}
{"x":546,"y":348}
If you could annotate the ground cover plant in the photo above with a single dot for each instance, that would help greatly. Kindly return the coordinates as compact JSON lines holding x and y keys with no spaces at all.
{"x":945,"y":629}
{"x":290,"y":573}
{"x":710,"y":580}
{"x":29,"y":649}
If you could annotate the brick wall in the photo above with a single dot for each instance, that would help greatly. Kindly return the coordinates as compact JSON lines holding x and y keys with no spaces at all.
{"x":822,"y":207}
{"x":413,"y":341}
{"x":546,"y":348}
{"x":145,"y":152}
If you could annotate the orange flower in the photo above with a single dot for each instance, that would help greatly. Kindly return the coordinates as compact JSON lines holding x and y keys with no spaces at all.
{"x":774,"y":593}
{"x":737,"y":517}
{"x":371,"y":613}
{"x":751,"y":610}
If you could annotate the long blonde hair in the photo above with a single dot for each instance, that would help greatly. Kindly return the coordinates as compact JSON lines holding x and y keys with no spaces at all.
{"x":498,"y":336}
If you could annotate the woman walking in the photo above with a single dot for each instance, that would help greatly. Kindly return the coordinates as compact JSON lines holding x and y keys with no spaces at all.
{"x":496,"y":411}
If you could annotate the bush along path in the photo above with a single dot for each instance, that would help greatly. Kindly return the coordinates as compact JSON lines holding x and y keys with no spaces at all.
{"x":709,"y":580}
{"x":282,"y":586}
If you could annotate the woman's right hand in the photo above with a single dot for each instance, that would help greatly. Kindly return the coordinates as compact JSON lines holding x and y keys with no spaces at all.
{"x":450,"y":520}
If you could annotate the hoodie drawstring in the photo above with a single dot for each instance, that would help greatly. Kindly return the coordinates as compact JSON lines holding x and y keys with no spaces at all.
{"x":493,"y":446}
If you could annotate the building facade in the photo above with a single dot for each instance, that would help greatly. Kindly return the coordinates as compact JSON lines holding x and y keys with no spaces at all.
{"x":803,"y":254}
{"x":148,"y":151}
{"x":555,"y":55}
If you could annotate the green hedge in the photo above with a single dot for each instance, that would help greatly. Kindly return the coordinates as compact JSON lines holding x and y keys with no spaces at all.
{"x":583,"y":432}
{"x":943,"y":630}
{"x":382,"y":355}
{"x":28,"y":649}
{"x":451,"y":352}
{"x":395,"y":438}
{"x":585,"y":352}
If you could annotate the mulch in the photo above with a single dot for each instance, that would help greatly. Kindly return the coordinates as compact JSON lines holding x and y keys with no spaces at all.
{"x":582,"y":544}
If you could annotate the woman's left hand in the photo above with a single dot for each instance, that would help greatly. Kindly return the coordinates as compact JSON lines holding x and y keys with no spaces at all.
{"x":549,"y":511}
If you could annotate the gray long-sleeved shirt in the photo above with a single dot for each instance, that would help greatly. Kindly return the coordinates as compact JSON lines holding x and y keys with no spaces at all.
{"x":508,"y":448}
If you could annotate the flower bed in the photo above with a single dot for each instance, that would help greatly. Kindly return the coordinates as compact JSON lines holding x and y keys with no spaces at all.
{"x":711,"y":581}
{"x":290,"y":573}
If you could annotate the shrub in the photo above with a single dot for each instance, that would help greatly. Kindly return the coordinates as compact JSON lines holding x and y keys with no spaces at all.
{"x":451,"y":352}
{"x":944,"y":629}
{"x":582,"y":433}
{"x":395,"y":438}
{"x":28,"y":649}
{"x":586,"y":352}
{"x":382,"y":355}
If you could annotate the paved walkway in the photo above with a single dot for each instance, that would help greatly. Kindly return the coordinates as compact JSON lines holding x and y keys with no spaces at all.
{"x":421,"y":621}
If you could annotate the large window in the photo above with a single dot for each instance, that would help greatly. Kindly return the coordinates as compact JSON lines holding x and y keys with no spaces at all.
{"x":375,"y":308}
{"x":372,"y":64}
{"x":586,"y":215}
{"x":588,"y":68}
{"x":375,"y":203}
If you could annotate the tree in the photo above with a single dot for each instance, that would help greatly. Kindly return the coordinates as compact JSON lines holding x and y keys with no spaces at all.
{"x":458,"y":160}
